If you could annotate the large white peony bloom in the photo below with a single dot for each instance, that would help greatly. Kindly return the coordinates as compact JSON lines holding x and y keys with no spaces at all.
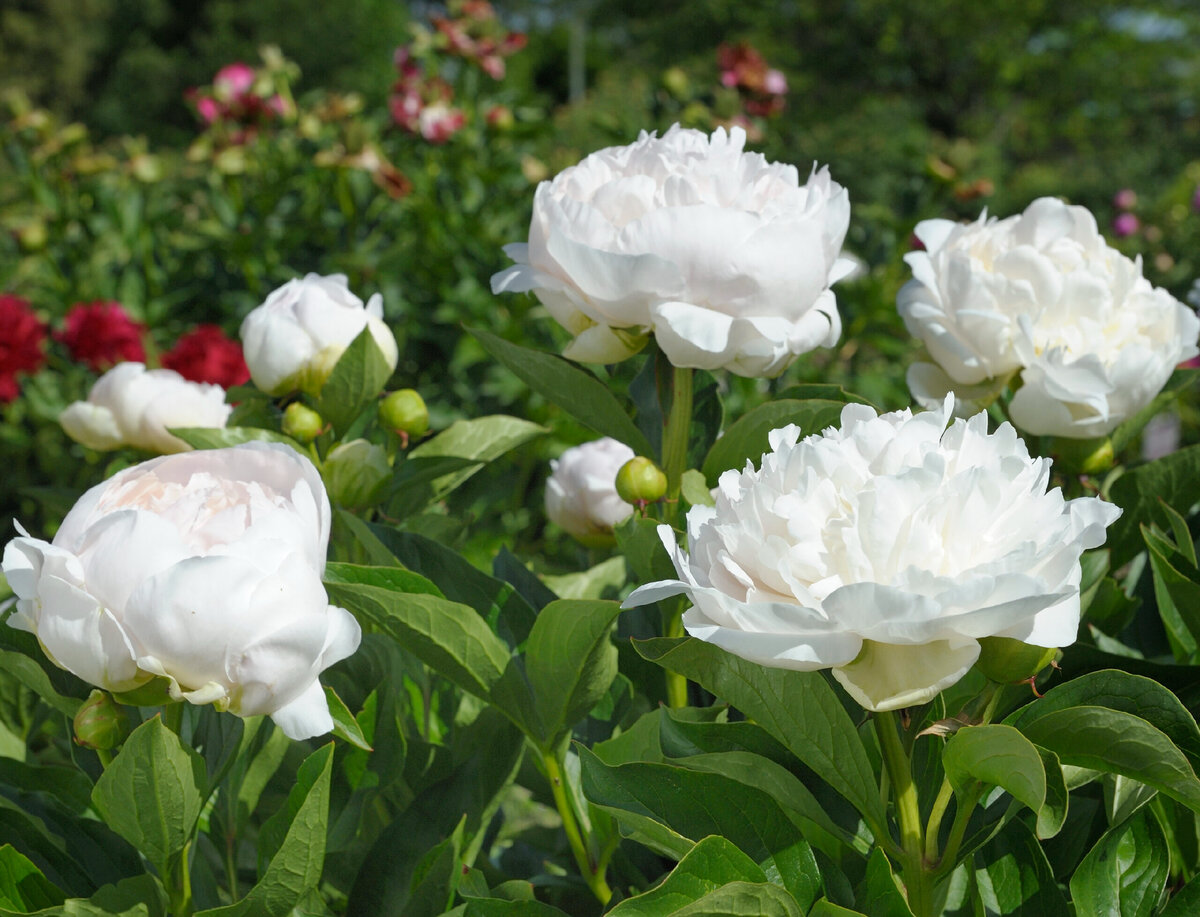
{"x":581,"y":492}
{"x":1043,"y":295}
{"x":726,"y":258}
{"x":294,"y":339}
{"x":884,"y":551}
{"x":203,"y":567}
{"x":133,"y":406}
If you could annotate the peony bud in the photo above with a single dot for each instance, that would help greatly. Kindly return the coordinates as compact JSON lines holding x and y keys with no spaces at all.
{"x":302,"y":423}
{"x":405,"y":412}
{"x":640,"y":481}
{"x":1007,"y":661}
{"x":356,"y":472}
{"x":100,"y":722}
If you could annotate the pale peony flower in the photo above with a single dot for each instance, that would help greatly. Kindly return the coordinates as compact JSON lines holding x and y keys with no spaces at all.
{"x":133,"y":406}
{"x":1041,"y":295}
{"x":884,"y":551}
{"x":726,"y":258}
{"x":294,"y":339}
{"x":204,"y":568}
{"x":581,"y":492}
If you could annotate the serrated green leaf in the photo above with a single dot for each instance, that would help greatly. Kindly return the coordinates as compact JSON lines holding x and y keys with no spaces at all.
{"x":1125,"y":873}
{"x":996,"y":756}
{"x":573,"y":389}
{"x":356,"y":381}
{"x":1121,"y":743}
{"x":151,"y":793}
{"x":797,"y":708}
{"x":571,"y":661}
{"x":746,"y":438}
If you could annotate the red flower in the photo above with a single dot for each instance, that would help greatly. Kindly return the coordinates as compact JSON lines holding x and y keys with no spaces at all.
{"x":205,"y":354}
{"x":22,"y":338}
{"x":101,"y":334}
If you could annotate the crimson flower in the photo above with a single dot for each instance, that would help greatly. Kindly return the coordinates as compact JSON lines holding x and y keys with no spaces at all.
{"x":22,"y":339}
{"x":101,"y":335}
{"x":205,"y":354}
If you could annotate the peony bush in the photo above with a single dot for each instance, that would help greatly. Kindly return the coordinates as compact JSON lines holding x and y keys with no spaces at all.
{"x":335,"y":650}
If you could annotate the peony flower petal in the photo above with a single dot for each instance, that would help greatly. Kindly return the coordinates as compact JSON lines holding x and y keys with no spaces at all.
{"x":885,"y":677}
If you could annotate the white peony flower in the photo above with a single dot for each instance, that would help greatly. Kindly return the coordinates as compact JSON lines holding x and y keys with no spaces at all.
{"x":294,"y":339}
{"x":133,"y":406}
{"x":581,"y":492}
{"x":884,"y":551}
{"x":726,"y":258}
{"x":1041,"y":295}
{"x":204,"y":568}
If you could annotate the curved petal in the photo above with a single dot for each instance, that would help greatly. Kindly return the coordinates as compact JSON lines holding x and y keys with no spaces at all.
{"x":885,"y":677}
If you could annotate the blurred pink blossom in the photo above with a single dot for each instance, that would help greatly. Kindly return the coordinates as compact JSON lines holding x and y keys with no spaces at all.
{"x":1125,"y":225}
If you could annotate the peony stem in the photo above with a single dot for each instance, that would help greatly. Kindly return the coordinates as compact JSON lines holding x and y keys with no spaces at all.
{"x":593,"y":873}
{"x":675,"y":436}
{"x":934,"y":827}
{"x":677,"y":686}
{"x":179,"y":886}
{"x":908,"y":814}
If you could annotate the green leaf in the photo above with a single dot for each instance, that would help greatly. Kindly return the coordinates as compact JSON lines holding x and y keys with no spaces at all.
{"x":34,"y":677}
{"x":881,"y":895}
{"x":996,"y":756}
{"x":448,"y":637}
{"x":694,"y":805}
{"x":151,"y":792}
{"x":221,"y":437}
{"x":140,"y":896}
{"x":23,"y":888}
{"x":477,"y":442}
{"x":1171,"y":479}
{"x":573,"y":389}
{"x":1125,"y":873}
{"x":694,"y":488}
{"x":1185,"y":902}
{"x":497,"y":907}
{"x":797,"y":708}
{"x":746,"y":438}
{"x":571,"y":661}
{"x":396,"y":579}
{"x":1116,"y":690}
{"x":1013,"y":877}
{"x":345,"y":726}
{"x":1119,"y":743}
{"x":637,"y":539}
{"x":296,"y":865}
{"x":499,"y":602}
{"x":713,"y":862}
{"x":1179,"y":528}
{"x":597,"y":582}
{"x":1177,"y":589}
{"x":826,"y":908}
{"x":436,"y":877}
{"x":357,"y":379}
{"x":1053,"y":814}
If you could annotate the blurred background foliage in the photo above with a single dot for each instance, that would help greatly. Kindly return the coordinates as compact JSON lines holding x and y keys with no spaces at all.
{"x":115,"y":186}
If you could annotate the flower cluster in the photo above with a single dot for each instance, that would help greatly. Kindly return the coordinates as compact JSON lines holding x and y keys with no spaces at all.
{"x":203,"y":569}
{"x":1041,"y":296}
{"x":726,"y":258}
{"x":475,"y":34}
{"x":421,"y":104}
{"x":884,"y":551}
{"x":761,"y":88}
{"x":205,"y":354}
{"x":101,"y":335}
{"x":241,"y":99}
{"x":22,"y":344}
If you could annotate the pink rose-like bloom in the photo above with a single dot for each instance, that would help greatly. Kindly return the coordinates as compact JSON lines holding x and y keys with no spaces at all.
{"x":1125,"y":199}
{"x":1125,"y":225}
{"x":775,"y":82}
{"x":234,"y":80}
{"x":208,"y":108}
{"x":439,"y":122}
{"x":101,"y":335}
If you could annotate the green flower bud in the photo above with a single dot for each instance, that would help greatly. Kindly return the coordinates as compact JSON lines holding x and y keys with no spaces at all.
{"x":100,"y":722}
{"x":405,"y":412}
{"x":640,"y":481}
{"x":1007,"y":661}
{"x":302,"y":423}
{"x":356,"y":473}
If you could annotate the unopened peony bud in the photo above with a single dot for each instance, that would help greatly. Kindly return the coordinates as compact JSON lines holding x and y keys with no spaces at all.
{"x":640,"y":481}
{"x":100,"y":722}
{"x":302,"y":423}
{"x":1007,"y":661}
{"x":405,"y":412}
{"x":356,"y":472}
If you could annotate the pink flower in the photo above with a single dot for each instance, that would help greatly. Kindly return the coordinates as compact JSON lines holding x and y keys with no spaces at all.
{"x":775,"y":83}
{"x":209,"y":109}
{"x":234,"y":80}
{"x":439,"y":122}
{"x":1125,"y":225}
{"x":1125,"y":199}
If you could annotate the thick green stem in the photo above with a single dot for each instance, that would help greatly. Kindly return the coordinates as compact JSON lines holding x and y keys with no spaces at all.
{"x":908,"y":814}
{"x":958,"y":830}
{"x":934,"y":828}
{"x":593,"y":872}
{"x":179,"y":885}
{"x":677,"y":688}
{"x":675,"y":436}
